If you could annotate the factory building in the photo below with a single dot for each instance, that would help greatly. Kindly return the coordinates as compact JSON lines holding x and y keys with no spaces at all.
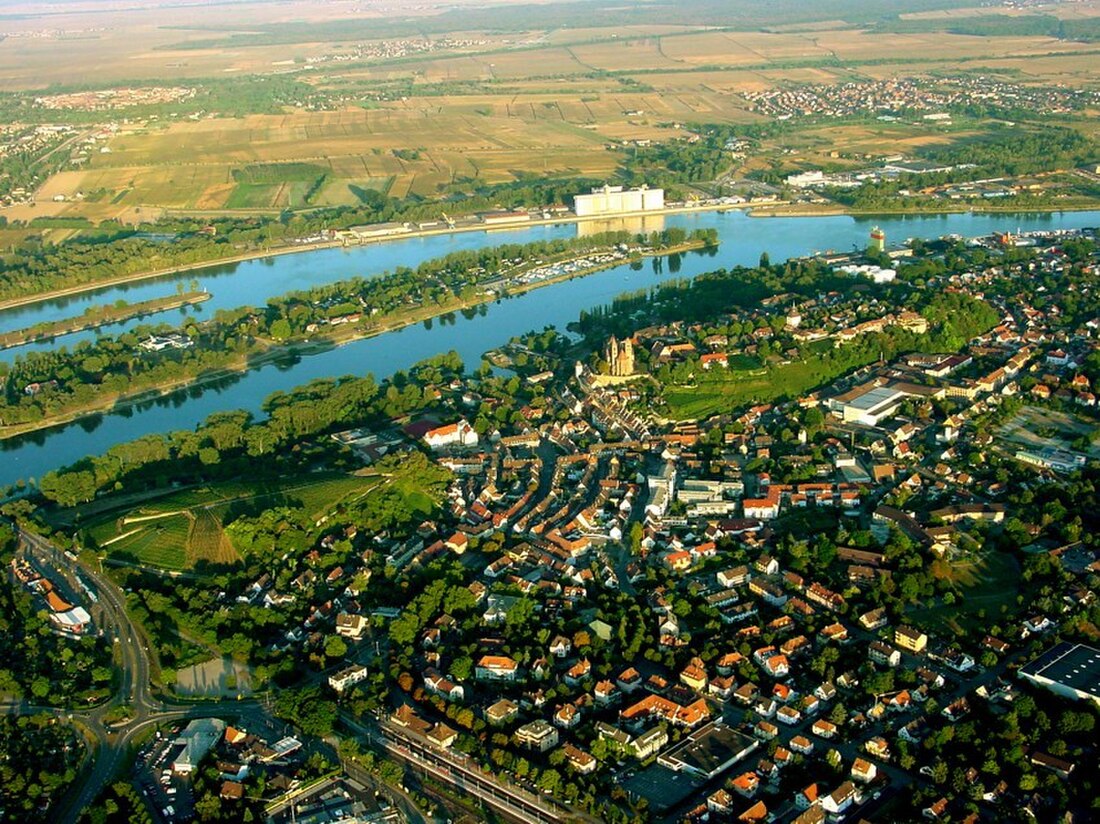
{"x":613,"y":200}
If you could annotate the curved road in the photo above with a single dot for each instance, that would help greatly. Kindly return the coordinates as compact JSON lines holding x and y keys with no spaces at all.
{"x":111,"y":744}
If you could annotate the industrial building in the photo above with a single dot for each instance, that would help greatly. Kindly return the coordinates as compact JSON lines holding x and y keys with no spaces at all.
{"x":614,"y":200}
{"x":1069,"y":670}
{"x":1050,"y":458}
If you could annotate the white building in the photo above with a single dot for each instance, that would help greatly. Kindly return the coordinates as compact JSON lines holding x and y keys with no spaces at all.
{"x":345,"y":678}
{"x":459,"y":433}
{"x":611,"y":200}
{"x":197,"y":739}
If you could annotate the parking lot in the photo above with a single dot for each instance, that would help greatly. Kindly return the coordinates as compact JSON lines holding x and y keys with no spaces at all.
{"x":168,"y":794}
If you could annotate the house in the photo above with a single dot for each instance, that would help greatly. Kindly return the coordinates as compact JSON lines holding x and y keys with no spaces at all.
{"x":694,"y":675}
{"x":746,"y":784}
{"x":649,"y":743}
{"x":1056,"y":765}
{"x":777,"y":666}
{"x":769,"y":591}
{"x":348,"y":677}
{"x":802,"y":744}
{"x":351,"y":626}
{"x":502,"y":712}
{"x":561,"y":646}
{"x":806,"y":798}
{"x":629,"y":680}
{"x":496,"y":668}
{"x":567,"y":716}
{"x":442,"y":736}
{"x":766,"y":565}
{"x":910,"y":639}
{"x":841,"y":798}
{"x":878,"y":746}
{"x":863,"y":770}
{"x":788,"y":715}
{"x":765,"y":730}
{"x":936,"y":810}
{"x":579,"y":760}
{"x":606,"y":693}
{"x":459,"y":433}
{"x":578,"y":672}
{"x":727,"y":662}
{"x":720,"y":801}
{"x":733,"y":577}
{"x":823,"y":728}
{"x":435,"y":683}
{"x":537,"y":735}
{"x":882,"y":653}
{"x":874,"y":619}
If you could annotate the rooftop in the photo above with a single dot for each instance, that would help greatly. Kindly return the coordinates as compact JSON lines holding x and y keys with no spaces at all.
{"x":1072,"y":665}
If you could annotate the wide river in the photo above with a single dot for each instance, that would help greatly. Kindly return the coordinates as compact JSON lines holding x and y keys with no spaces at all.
{"x":743,"y":239}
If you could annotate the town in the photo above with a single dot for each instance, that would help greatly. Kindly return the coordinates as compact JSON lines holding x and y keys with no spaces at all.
{"x":629,"y":608}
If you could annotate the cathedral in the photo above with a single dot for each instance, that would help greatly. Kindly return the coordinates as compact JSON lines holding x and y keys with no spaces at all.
{"x":620,"y":356}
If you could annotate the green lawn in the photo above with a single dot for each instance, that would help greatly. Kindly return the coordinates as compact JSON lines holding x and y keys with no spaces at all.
{"x":719,"y":390}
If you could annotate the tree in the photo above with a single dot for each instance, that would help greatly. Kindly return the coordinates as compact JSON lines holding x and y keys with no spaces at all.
{"x":280,"y":329}
{"x":335,"y":647}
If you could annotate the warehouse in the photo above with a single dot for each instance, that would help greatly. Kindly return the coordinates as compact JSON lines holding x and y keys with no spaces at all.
{"x":1070,"y":670}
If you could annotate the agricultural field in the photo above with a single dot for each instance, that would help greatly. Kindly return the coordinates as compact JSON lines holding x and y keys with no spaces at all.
{"x":557,"y":101}
{"x":181,"y":530}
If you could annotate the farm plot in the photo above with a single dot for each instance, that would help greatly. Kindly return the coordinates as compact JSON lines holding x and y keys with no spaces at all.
{"x":181,"y":530}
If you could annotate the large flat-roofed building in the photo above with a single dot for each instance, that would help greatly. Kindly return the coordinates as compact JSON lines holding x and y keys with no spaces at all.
{"x":1050,"y":458}
{"x":1070,"y":670}
{"x":614,"y":200}
{"x":877,"y":400}
{"x":197,"y":739}
{"x":709,"y":751}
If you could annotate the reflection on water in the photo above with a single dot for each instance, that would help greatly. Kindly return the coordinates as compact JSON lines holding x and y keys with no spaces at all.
{"x":641,"y":224}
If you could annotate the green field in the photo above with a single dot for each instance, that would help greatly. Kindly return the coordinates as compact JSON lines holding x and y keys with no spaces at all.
{"x":986,"y":585}
{"x":720,"y":390}
{"x":184,"y":528}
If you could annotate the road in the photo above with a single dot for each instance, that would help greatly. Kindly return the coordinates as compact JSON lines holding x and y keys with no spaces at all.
{"x":110,"y":745}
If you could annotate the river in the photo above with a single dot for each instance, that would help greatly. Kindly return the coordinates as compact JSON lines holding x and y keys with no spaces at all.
{"x":743,"y":239}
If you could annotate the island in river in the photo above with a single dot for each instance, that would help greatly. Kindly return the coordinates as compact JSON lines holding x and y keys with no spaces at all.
{"x":97,"y":316}
{"x":277,"y":342}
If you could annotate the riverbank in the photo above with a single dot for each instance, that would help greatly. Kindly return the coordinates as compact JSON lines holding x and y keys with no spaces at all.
{"x":779,"y":210}
{"x":98,"y":316}
{"x":261,"y":254}
{"x":762,"y":210}
{"x":269,"y":352}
